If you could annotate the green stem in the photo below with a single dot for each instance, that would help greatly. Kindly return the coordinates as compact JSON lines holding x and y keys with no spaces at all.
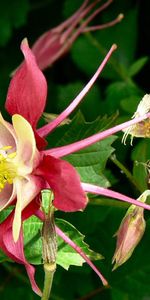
{"x":49,"y":270}
{"x":126,"y":172}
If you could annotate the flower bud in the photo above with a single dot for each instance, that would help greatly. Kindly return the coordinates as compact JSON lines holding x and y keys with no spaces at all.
{"x":130,"y":232}
{"x":54,"y":43}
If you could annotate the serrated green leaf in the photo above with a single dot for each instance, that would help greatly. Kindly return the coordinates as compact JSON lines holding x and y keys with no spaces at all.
{"x":71,"y":257}
{"x":137,"y":66}
{"x":66,"y":255}
{"x":90,"y":162}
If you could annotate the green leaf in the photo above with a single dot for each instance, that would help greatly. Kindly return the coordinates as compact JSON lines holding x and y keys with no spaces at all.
{"x":90,"y":162}
{"x":4,"y":213}
{"x":130,"y":104}
{"x":13,"y":14}
{"x":66,"y":255}
{"x":117,"y":92}
{"x":137,"y":66}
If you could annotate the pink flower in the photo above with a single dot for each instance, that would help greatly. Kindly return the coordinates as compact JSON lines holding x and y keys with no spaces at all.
{"x":25,"y":169}
{"x":54,"y":43}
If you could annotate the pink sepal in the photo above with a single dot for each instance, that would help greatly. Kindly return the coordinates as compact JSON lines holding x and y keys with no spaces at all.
{"x":64,"y":182}
{"x":28,"y":89}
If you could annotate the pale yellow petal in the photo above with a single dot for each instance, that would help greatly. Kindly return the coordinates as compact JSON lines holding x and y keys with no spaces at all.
{"x":27,"y":153}
{"x":7,"y":195}
{"x":7,"y":135}
{"x":27,"y":189}
{"x":18,"y":210}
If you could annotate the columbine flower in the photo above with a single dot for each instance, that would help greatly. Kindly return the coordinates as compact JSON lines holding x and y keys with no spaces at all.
{"x":54,"y":43}
{"x":141,"y":129}
{"x":130,"y":232}
{"x":26,"y":169}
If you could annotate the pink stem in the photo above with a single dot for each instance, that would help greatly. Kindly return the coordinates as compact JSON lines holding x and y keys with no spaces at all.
{"x":71,"y":148}
{"x":82,"y":254}
{"x":90,"y":188}
{"x":45,"y":130}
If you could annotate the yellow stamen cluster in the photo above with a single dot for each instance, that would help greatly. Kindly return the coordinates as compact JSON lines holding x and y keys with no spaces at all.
{"x":7,"y":168}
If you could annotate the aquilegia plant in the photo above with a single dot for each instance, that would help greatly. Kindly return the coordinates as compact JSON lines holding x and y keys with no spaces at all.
{"x":27,"y":167}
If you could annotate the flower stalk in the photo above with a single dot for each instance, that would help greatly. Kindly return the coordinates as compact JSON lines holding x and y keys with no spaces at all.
{"x":125,"y":171}
{"x":49,"y":270}
{"x":49,"y":244}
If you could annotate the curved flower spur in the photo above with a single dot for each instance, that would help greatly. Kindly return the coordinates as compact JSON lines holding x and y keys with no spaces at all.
{"x":26,"y":169}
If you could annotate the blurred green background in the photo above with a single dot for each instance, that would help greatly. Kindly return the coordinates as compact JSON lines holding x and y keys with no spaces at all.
{"x":120,"y":87}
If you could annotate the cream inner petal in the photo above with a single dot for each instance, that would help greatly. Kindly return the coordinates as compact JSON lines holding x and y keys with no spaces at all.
{"x":7,"y":195}
{"x":7,"y":135}
{"x":27,"y":189}
{"x":27,"y":154}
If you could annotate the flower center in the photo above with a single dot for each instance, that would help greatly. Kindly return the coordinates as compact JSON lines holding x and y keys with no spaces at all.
{"x":7,"y":167}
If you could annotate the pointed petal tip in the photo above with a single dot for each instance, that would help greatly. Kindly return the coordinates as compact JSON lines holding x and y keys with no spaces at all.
{"x":24,"y":43}
{"x":16,"y":231}
{"x":28,"y":89}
